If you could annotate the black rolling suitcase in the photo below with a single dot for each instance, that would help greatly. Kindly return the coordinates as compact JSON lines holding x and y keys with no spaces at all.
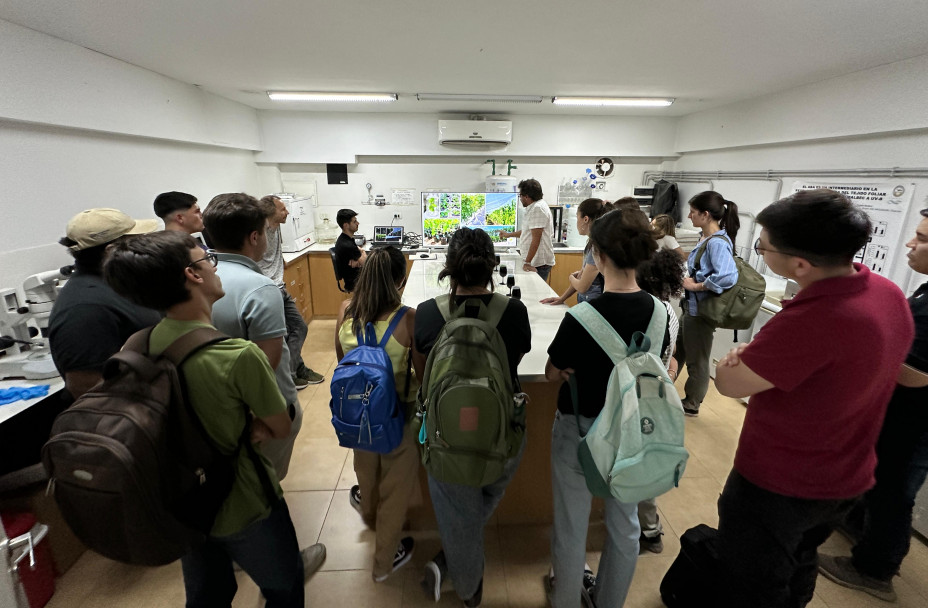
{"x":693,"y":579}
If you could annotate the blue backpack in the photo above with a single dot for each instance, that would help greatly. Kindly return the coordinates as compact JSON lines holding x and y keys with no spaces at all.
{"x":366,"y":412}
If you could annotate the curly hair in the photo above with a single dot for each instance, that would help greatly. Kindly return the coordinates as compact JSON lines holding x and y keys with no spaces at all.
{"x":661,"y":275}
{"x":470,"y":259}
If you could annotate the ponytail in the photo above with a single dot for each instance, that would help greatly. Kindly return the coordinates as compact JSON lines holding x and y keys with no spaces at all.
{"x":722,"y":211}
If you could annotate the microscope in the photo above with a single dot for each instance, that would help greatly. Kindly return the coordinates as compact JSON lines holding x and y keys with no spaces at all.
{"x":24,"y":313}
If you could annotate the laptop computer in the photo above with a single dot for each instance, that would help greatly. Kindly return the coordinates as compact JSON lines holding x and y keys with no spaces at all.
{"x":388,"y":235}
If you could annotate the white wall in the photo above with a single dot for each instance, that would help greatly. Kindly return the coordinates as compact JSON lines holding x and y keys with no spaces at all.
{"x":307,"y":137}
{"x":451,"y":174}
{"x":79,"y":129}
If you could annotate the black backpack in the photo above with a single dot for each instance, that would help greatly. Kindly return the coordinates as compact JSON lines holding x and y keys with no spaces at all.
{"x":133,"y":471}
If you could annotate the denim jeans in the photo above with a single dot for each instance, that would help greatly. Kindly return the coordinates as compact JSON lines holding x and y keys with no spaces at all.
{"x":296,"y":332}
{"x":462,"y":513}
{"x":572,"y":501}
{"x":902,"y":465}
{"x":768,"y":544}
{"x":587,"y":296}
{"x":267,"y":551}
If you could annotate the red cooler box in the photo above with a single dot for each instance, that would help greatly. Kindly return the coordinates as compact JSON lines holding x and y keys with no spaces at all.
{"x":38,"y":581}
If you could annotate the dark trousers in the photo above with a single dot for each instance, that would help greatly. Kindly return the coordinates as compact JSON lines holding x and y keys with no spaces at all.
{"x":296,"y":333}
{"x":694,"y":349}
{"x":768,"y":544}
{"x":267,"y":551}
{"x":543,"y":271}
{"x":902,"y":465}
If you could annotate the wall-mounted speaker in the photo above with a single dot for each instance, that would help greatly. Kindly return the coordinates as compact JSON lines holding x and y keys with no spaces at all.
{"x":338,"y":173}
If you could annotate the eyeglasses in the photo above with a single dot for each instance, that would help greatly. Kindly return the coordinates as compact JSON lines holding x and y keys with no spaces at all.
{"x":210,"y":257}
{"x":758,"y":249}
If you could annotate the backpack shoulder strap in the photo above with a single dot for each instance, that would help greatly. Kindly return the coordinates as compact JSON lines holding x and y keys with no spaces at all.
{"x":657,"y":326}
{"x":600,"y":330}
{"x":180,"y":349}
{"x":444,"y":306}
{"x":397,"y":316}
{"x":496,"y":309}
{"x":702,"y":247}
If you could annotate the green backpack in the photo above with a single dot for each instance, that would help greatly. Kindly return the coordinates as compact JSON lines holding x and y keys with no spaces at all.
{"x":736,"y":307}
{"x":472,"y":419}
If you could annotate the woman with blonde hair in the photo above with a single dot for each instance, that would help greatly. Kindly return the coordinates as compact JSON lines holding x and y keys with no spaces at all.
{"x":385,"y":481}
{"x":665,"y":233}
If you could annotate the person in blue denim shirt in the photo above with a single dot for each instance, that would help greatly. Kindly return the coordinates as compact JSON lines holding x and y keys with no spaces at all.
{"x":715,"y":216}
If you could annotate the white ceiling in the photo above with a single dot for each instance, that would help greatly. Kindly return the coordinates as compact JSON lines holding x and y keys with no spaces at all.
{"x":705,"y":53}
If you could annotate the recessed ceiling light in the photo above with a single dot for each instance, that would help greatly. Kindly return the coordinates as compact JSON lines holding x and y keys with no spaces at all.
{"x":338,"y":97}
{"x":479,"y":97}
{"x":642,"y":102}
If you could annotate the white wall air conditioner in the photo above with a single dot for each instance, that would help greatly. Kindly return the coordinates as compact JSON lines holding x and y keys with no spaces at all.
{"x":474,"y":131}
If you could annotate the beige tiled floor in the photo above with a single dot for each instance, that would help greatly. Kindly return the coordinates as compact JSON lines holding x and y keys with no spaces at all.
{"x":517,"y":557}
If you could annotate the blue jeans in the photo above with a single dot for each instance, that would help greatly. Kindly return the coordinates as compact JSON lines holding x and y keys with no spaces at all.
{"x":572,"y":501}
{"x":296,"y":333}
{"x":768,"y":544}
{"x":902,"y":465}
{"x":462,"y":513}
{"x":587,"y":296}
{"x":267,"y":550}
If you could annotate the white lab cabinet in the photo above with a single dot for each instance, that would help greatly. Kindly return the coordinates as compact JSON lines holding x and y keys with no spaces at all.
{"x":297,"y":232}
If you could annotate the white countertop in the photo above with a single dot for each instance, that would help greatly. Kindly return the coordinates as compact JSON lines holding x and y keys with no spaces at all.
{"x":422,"y":285}
{"x":324,"y":247}
{"x":11,"y":409}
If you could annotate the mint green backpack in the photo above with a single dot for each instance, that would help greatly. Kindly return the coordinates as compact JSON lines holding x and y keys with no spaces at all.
{"x":472,"y":419}
{"x":634,"y":449}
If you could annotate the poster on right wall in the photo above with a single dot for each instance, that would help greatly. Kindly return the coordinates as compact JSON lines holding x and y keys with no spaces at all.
{"x":887,"y":204}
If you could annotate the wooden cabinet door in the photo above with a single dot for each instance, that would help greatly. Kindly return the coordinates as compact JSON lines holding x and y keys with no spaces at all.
{"x":326,"y":297}
{"x":566,"y":263}
{"x":306,"y":306}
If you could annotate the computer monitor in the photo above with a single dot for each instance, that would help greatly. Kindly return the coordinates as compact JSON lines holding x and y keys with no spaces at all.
{"x":388,"y":235}
{"x":444,"y":212}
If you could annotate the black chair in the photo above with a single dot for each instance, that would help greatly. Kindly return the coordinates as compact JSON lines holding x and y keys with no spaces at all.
{"x":338,"y":275}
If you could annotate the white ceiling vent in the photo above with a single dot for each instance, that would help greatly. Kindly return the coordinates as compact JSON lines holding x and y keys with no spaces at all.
{"x":497,"y":132}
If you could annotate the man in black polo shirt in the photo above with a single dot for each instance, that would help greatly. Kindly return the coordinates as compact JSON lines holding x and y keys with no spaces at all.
{"x":89,"y":321}
{"x":902,"y":460}
{"x":348,"y":256}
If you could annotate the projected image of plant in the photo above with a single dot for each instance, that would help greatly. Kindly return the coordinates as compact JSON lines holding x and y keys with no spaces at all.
{"x":433,"y":230}
{"x":473,"y":209}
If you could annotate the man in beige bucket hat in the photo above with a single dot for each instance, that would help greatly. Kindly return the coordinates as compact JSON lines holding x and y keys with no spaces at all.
{"x":90,"y":321}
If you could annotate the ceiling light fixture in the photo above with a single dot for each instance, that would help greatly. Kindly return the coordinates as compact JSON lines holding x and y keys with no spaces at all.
{"x":479,"y":97}
{"x":337,"y":97}
{"x":640,"y":102}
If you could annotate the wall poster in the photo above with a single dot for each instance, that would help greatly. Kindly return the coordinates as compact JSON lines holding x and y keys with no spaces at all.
{"x":887,"y":204}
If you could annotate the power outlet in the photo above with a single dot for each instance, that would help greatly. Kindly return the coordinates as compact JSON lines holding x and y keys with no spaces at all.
{"x":397,"y":216}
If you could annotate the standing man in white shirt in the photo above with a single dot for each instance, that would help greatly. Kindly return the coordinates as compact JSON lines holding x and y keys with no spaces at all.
{"x":537,"y":233}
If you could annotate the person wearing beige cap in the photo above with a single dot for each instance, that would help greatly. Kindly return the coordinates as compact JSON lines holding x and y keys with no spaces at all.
{"x":90,"y":321}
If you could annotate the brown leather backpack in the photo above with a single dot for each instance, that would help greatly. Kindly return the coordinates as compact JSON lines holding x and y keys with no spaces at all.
{"x":133,"y":471}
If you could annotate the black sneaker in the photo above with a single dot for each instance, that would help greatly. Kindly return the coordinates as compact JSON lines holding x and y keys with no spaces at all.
{"x":654,"y":544}
{"x":589,"y":583}
{"x":689,"y":410}
{"x":403,"y":554}
{"x":435,"y":570}
{"x":354,"y":498}
{"x":474,"y":601}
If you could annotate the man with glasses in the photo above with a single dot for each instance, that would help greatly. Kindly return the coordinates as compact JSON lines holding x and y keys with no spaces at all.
{"x":537,"y":233}
{"x":819,"y":375}
{"x":253,"y":526}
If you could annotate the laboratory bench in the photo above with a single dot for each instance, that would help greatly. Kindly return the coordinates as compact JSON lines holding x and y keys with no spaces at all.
{"x":310,"y":278}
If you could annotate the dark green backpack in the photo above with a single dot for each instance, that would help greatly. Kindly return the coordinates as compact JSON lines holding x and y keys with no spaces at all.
{"x":736,"y":307}
{"x":472,"y":419}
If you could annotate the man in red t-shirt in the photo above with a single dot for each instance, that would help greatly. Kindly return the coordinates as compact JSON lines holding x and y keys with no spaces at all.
{"x":819,"y":375}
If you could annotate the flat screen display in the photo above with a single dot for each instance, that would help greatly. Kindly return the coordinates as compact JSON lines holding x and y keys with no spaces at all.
{"x":445,"y":212}
{"x":392,"y":235}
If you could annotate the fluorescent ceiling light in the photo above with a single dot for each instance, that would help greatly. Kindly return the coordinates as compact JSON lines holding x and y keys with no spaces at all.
{"x":479,"y":97}
{"x":343,"y":97}
{"x":641,"y":102}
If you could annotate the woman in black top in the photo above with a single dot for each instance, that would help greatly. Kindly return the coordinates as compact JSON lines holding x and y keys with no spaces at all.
{"x":463,"y":511}
{"x":621,"y":241}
